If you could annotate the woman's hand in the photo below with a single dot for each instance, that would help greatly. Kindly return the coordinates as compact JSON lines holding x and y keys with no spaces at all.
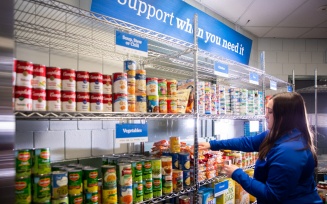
{"x":229,"y":169}
{"x":204,"y":146}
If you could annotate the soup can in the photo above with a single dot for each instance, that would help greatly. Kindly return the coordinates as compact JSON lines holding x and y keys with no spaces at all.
{"x":162,"y":87}
{"x":53,"y":75}
{"x":152,"y":86}
{"x":23,"y":192}
{"x":131,"y":74}
{"x":107,"y":84}
{"x":24,"y":73}
{"x":39,"y":76}
{"x":163,"y":104}
{"x":68,"y":80}
{"x":171,"y":87}
{"x":68,"y":101}
{"x":177,"y":180}
{"x":129,"y":65}
{"x":96,"y":102}
{"x":119,"y":83}
{"x":166,"y":164}
{"x":39,"y":102}
{"x":23,"y":98}
{"x":107,"y":102}
{"x":131,"y":100}
{"x":82,"y":101}
{"x":184,"y":199}
{"x":153,"y":104}
{"x":140,"y":82}
{"x":96,"y":82}
{"x":53,"y":100}
{"x":131,"y":86}
{"x":120,"y":103}
{"x":171,"y":104}
{"x":140,"y":105}
{"x":82,"y":81}
{"x":42,"y":188}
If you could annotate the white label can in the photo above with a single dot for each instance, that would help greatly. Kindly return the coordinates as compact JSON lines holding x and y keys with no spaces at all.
{"x":39,"y":76}
{"x":107,"y":84}
{"x":68,"y":101}
{"x":120,"y":103}
{"x":96,"y":82}
{"x":53,"y":100}
{"x":107,"y":102}
{"x":24,"y":73}
{"x":53,"y":78}
{"x":82,"y":101}
{"x":119,"y":83}
{"x":39,"y":102}
{"x":23,"y":98}
{"x":68,"y":80}
{"x":82,"y":81}
{"x":96,"y":102}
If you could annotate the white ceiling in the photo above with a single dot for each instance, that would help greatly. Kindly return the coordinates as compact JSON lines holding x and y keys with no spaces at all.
{"x":274,"y":18}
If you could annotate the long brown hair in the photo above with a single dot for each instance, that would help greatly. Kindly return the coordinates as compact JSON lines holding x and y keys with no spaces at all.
{"x":289,"y":112}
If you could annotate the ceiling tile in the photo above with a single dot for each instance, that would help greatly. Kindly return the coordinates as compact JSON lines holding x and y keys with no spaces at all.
{"x":316,"y":33}
{"x":286,"y":32}
{"x":257,"y":31}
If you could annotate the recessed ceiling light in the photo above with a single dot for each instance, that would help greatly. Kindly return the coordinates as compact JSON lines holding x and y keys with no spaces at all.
{"x":322,"y":8}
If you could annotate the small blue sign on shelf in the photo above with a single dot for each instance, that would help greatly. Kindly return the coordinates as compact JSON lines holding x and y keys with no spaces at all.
{"x":254,"y":78}
{"x":273,"y":85}
{"x":289,"y":89}
{"x":130,"y":133}
{"x":220,"y":188}
{"x":221,"y":69}
{"x":127,"y":43}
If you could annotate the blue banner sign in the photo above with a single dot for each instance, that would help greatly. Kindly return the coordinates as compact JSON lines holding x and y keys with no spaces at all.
{"x":254,"y":78}
{"x":220,"y":188}
{"x":130,"y":133}
{"x":127,"y":43}
{"x":221,"y":69}
{"x":289,"y":89}
{"x":273,"y":85}
{"x":175,"y":18}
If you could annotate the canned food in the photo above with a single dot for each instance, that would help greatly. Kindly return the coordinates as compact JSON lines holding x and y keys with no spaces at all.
{"x":167,"y":186}
{"x":59,"y":185}
{"x":39,"y":76}
{"x":90,"y":179}
{"x":68,"y":80}
{"x":172,"y":87}
{"x":42,"y":188}
{"x":162,"y":87}
{"x":157,"y":187}
{"x":126,"y":194}
{"x":76,"y":199}
{"x":166,"y":163}
{"x":137,"y":168}
{"x":137,"y":192}
{"x":107,"y":84}
{"x":148,"y":191}
{"x":82,"y":81}
{"x":23,"y":162}
{"x":140,"y":82}
{"x":83,"y":101}
{"x":24,"y":73}
{"x":107,"y":102}
{"x":120,"y":102}
{"x":171,"y":104}
{"x":91,"y":198}
{"x":184,"y":199}
{"x":131,"y":100}
{"x":129,"y":65}
{"x":163,"y":104}
{"x":68,"y":101}
{"x":153,"y":104}
{"x":125,"y":174}
{"x":175,"y":160}
{"x":23,"y":98}
{"x":140,"y":105}
{"x":53,"y":100}
{"x":184,"y":161}
{"x":109,"y":177}
{"x":131,"y":86}
{"x":53,"y":75}
{"x":147,"y":169}
{"x":96,"y":102}
{"x":109,"y":196}
{"x":152,"y":86}
{"x":119,"y":83}
{"x":156,"y":168}
{"x":131,"y":74}
{"x":96,"y":82}
{"x":177,"y":180}
{"x":186,"y":178}
{"x":56,"y":167}
{"x":63,"y":200}
{"x":39,"y":102}
{"x":41,"y":161}
{"x":75,"y":185}
{"x":23,"y":190}
{"x":175,"y":146}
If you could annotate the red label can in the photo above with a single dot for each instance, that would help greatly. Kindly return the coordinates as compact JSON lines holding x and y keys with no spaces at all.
{"x":23,"y":98}
{"x":53,"y":78}
{"x":96,"y":102}
{"x":96,"y":82}
{"x":152,"y":86}
{"x":39,"y":76}
{"x":107,"y":84}
{"x":24,"y":73}
{"x":68,"y":101}
{"x":82,"y":101}
{"x":119,"y":83}
{"x":68,"y":80}
{"x":107,"y":102}
{"x":184,"y":199}
{"x":82,"y":81}
{"x":53,"y":100}
{"x":120,"y":103}
{"x":39,"y":102}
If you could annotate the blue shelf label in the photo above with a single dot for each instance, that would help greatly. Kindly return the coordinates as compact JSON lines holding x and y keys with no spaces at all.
{"x":273,"y":85}
{"x":289,"y":89}
{"x":221,"y":69}
{"x":127,"y":43}
{"x":254,"y":78}
{"x":221,"y":188}
{"x":130,"y":133}
{"x":174,"y":19}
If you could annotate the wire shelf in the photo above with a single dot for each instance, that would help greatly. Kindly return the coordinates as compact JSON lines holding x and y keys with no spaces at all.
{"x":311,"y":89}
{"x":173,"y":195}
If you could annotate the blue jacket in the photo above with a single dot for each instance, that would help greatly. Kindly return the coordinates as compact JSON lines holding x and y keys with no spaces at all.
{"x":285,"y":176}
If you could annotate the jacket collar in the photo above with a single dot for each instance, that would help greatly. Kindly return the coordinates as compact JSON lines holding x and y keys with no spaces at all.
{"x":289,"y":135}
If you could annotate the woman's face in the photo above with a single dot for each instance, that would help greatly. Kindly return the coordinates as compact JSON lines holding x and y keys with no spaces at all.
{"x":269,"y":114}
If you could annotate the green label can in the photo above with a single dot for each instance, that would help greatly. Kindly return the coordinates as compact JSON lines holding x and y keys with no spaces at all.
{"x":109,"y":176}
{"x":23,"y":162}
{"x":76,"y":199}
{"x":156,"y":168}
{"x":23,"y":190}
{"x":90,"y":179}
{"x":41,"y":161}
{"x":75,"y":185}
{"x":147,"y":169}
{"x":137,"y":192}
{"x":148,"y":190}
{"x":137,"y":171}
{"x":157,"y":187}
{"x":42,"y":188}
{"x":63,"y":200}
{"x":167,"y":184}
{"x":91,"y":198}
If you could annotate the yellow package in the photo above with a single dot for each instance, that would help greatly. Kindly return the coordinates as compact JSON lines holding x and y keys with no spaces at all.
{"x":250,"y":172}
{"x":241,"y":196}
{"x":229,"y":196}
{"x":182,"y":99}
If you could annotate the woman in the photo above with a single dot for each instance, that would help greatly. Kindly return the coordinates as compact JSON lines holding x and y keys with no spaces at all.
{"x":284,"y":172}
